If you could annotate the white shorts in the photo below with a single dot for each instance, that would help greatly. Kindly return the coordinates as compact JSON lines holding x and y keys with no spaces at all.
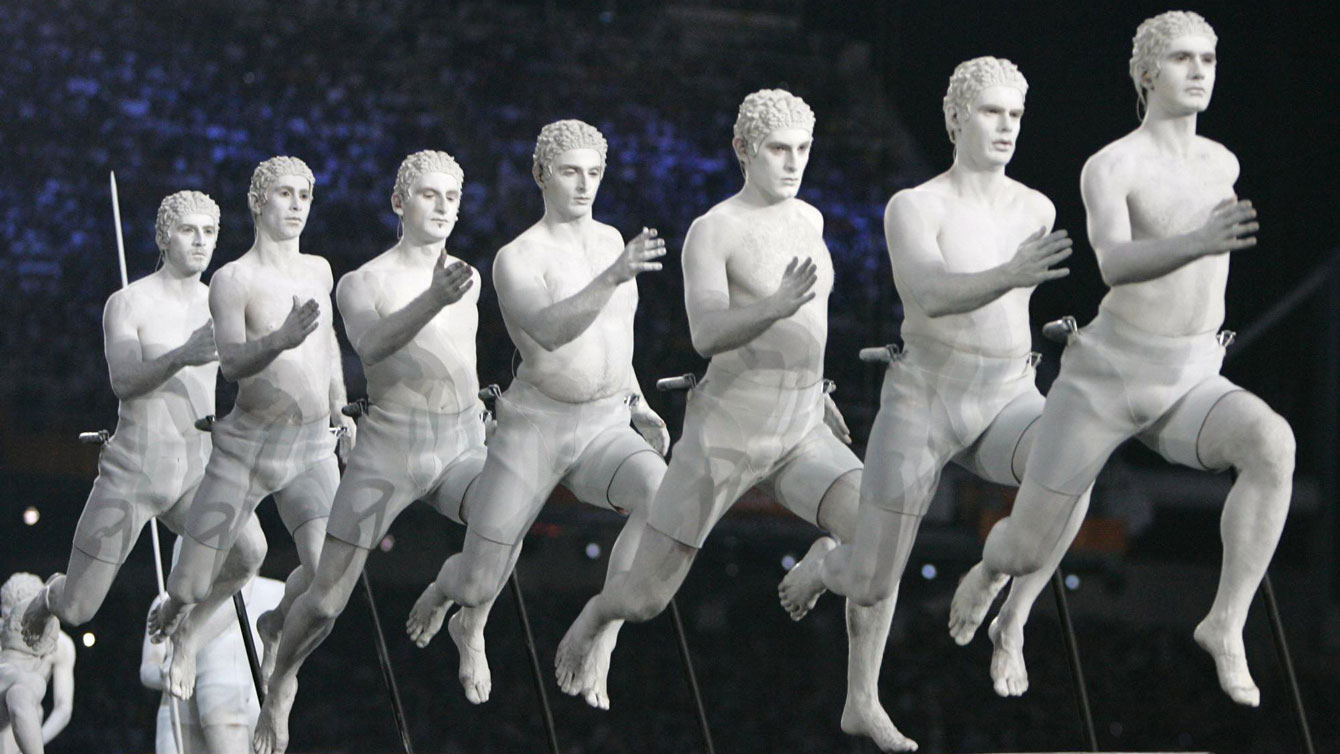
{"x":937,"y":405}
{"x":141,"y":475}
{"x":1118,"y":381}
{"x":540,"y":442}
{"x":738,"y":434}
{"x":252,"y":459}
{"x":403,"y":455}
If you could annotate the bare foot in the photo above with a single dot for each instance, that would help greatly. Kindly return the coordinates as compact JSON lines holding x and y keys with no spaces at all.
{"x":870,"y":720}
{"x":976,"y":591}
{"x":582,"y":662}
{"x":474,"y":671}
{"x":1230,"y":661}
{"x":165,"y":618}
{"x":272,"y":726}
{"x":425,"y":618}
{"x":1009,"y":674}
{"x":270,"y":625}
{"x":40,"y":626}
{"x":804,"y":584}
{"x":179,"y":678}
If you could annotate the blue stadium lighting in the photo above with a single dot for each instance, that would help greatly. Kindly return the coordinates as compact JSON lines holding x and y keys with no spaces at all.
{"x":928,"y":572}
{"x":592,"y":550}
{"x":1071,"y":582}
{"x":788,"y":562}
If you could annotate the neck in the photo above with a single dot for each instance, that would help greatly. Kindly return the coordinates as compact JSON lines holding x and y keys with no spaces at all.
{"x":976,"y":181}
{"x":274,"y":249}
{"x":1172,"y":131}
{"x":570,"y":229}
{"x":756,"y":197}
{"x":174,"y":280}
{"x":416,"y":251}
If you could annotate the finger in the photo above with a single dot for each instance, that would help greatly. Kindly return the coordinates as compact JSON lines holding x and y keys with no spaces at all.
{"x":1224,"y":204}
{"x":1055,"y":273}
{"x":1052,"y":247}
{"x":1055,"y":235}
{"x":651,"y":232}
{"x":791,"y":266}
{"x":1245,"y":228}
{"x":296,"y":302}
{"x":1241,"y":243}
{"x":650,"y":266}
{"x":442,"y":258}
{"x":1035,"y":235}
{"x":1057,"y":256}
{"x":808,"y":297}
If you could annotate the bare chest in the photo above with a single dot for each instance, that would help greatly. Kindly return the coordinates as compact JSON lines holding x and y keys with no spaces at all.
{"x":1170,"y":199}
{"x":762,"y":252}
{"x":270,"y":299}
{"x":164,"y":324}
{"x":974,"y":238}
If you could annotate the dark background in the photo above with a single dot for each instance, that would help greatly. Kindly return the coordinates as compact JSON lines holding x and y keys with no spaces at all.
{"x":172,"y":96}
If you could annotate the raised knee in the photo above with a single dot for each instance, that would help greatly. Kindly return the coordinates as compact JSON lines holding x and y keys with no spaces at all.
{"x":249,"y":550}
{"x":480,"y":586}
{"x":1271,"y":446}
{"x":74,"y":614}
{"x":1014,"y":551}
{"x":645,"y":606}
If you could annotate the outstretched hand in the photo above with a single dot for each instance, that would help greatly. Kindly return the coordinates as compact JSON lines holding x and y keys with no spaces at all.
{"x":795,"y":290}
{"x":450,"y":281}
{"x":300,"y":322}
{"x":1232,"y":225}
{"x":199,"y":348}
{"x":1032,"y":264}
{"x":638,"y":256}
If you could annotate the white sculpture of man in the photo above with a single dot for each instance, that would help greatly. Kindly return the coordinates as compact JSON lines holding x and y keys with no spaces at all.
{"x":1162,"y":218}
{"x":25,"y":668}
{"x":757,"y":276}
{"x":277,"y":342}
{"x":967,"y":248}
{"x":567,"y":293}
{"x":220,"y":716}
{"x":159,"y":343}
{"x":411,"y":314}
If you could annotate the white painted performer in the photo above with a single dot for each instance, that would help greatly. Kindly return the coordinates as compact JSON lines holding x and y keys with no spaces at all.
{"x":411,"y":314}
{"x":26,"y":666}
{"x":567,"y":291}
{"x":220,"y":716}
{"x":276,"y":341}
{"x":159,"y":342}
{"x":1162,"y":218}
{"x":757,"y":276}
{"x":967,"y":249}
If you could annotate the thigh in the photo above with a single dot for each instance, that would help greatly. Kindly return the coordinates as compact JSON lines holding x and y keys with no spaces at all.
{"x":226,"y":497}
{"x":710,"y":467}
{"x":999,"y":454}
{"x":591,"y":478}
{"x":802,"y":480}
{"x":110,"y":523}
{"x":519,"y":473}
{"x":368,"y":499}
{"x":1180,"y":435}
{"x":448,"y":497}
{"x":910,"y":442}
{"x":309,"y":495}
{"x":1075,"y":436}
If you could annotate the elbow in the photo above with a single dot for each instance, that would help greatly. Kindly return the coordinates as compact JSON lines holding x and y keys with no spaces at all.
{"x":706,"y":347}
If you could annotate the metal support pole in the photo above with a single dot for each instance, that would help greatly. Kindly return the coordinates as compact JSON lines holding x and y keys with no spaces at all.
{"x":547,"y":714}
{"x":388,"y":674}
{"x":1282,"y":648}
{"x":249,"y":645}
{"x":1072,"y":657}
{"x":692,"y":677}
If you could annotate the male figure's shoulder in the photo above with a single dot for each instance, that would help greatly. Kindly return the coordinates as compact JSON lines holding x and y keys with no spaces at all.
{"x":318,"y":268}
{"x":1114,"y":166}
{"x":1031,"y":202}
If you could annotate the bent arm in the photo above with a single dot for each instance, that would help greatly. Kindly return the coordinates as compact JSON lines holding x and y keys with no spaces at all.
{"x":1122,"y":260}
{"x":373,"y":336}
{"x":238,"y":357}
{"x":62,"y":689}
{"x":918,"y":262}
{"x":714,"y":325}
{"x":132,"y":375}
{"x":531,"y":306}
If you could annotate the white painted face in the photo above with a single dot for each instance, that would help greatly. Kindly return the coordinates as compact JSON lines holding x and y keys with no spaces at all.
{"x":1185,"y":79}
{"x":987,"y":136}
{"x":287,"y":202}
{"x":778,"y":167}
{"x":191,"y":243}
{"x":430,"y":207}
{"x":571,"y":181}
